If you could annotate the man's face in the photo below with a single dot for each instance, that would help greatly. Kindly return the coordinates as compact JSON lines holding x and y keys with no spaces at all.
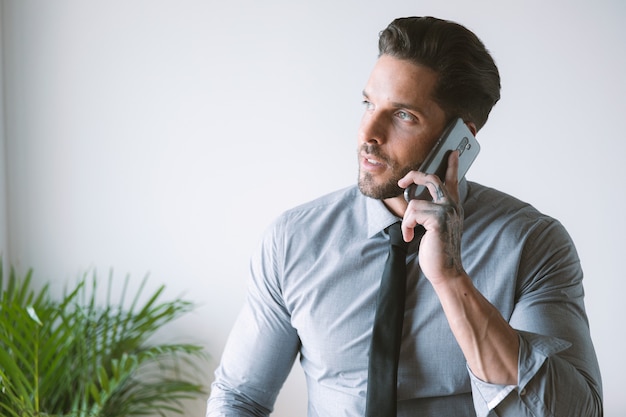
{"x":400,"y":125}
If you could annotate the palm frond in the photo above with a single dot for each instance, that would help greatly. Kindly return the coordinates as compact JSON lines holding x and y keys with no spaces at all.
{"x":75,"y":357}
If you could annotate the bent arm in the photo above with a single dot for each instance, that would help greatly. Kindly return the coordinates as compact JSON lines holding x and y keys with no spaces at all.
{"x":558,"y":373}
{"x":517,"y":374}
{"x":256,"y":361}
{"x":490,"y":345}
{"x":260,"y":350}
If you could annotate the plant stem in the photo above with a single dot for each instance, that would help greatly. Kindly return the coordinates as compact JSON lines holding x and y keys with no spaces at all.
{"x":36,"y":376}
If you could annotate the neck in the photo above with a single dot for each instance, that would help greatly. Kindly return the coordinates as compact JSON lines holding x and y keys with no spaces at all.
{"x":396,"y":205}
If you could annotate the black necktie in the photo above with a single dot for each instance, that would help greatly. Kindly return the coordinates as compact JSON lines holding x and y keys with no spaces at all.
{"x":387,"y":333}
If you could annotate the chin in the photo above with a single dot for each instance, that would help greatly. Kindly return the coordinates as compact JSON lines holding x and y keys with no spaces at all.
{"x":382,"y":191}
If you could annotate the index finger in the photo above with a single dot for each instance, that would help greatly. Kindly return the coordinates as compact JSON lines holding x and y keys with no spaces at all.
{"x":452,"y":174}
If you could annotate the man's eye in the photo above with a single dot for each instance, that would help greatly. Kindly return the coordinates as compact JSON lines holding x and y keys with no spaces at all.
{"x":367,"y":105}
{"x":405,"y":115}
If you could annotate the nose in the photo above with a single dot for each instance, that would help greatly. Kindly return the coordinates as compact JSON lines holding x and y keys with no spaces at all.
{"x":372,"y":128}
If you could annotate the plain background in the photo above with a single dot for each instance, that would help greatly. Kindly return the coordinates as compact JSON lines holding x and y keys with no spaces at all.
{"x":162,"y":137}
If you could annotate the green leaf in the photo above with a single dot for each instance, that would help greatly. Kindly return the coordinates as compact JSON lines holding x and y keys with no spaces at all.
{"x":75,"y":356}
{"x":33,"y":315}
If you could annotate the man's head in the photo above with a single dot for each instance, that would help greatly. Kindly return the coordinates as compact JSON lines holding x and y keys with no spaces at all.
{"x":468,"y":83}
{"x":429,"y":72}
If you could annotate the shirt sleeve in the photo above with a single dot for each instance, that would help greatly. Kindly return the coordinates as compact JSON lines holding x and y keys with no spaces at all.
{"x":558,"y":373}
{"x":262,"y":346}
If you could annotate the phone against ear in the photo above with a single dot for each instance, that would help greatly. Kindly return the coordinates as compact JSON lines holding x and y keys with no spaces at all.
{"x":457,"y":136}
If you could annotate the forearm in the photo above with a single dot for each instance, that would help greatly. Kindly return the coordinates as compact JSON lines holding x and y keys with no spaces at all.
{"x":517,"y":373}
{"x":488,"y":342}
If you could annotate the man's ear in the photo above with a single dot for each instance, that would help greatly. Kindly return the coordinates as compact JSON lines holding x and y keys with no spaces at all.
{"x":472,"y":127}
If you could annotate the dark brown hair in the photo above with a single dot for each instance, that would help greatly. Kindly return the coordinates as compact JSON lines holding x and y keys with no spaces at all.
{"x":468,"y":83}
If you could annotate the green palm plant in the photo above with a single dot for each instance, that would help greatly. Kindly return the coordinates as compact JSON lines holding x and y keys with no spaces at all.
{"x":76,"y":358}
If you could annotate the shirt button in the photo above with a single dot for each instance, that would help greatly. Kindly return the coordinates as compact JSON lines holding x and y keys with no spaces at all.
{"x":522,"y":392}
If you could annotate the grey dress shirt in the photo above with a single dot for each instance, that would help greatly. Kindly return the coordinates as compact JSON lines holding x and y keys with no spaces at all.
{"x":313,"y":291}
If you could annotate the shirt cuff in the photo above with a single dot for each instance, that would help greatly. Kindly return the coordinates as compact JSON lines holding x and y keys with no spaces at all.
{"x":533,"y":351}
{"x":487,"y":396}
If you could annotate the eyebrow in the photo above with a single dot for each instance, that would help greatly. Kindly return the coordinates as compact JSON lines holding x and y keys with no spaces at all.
{"x":400,"y":105}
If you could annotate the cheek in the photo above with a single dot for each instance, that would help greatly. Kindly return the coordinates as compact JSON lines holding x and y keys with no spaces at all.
{"x":411,"y":155}
{"x":420,"y":147}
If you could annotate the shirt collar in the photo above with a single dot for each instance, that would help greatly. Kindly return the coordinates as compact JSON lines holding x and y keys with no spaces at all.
{"x":378,"y":216}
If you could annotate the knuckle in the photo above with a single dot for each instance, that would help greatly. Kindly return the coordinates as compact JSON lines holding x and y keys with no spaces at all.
{"x":445,"y":212}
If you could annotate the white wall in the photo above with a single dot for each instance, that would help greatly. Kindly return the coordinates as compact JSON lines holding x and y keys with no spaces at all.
{"x":4,"y":235}
{"x":163,"y":136}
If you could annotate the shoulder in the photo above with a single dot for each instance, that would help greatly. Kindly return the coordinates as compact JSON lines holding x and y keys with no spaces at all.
{"x":325,"y":210}
{"x":337,"y":212}
{"x":500,"y":216}
{"x":487,"y":205}
{"x":504,"y":236}
{"x":302,"y":233}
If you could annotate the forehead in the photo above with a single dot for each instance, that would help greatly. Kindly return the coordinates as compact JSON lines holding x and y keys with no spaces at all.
{"x":401,"y":81}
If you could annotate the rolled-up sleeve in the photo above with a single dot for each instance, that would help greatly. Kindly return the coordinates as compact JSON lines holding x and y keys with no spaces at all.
{"x":558,"y":373}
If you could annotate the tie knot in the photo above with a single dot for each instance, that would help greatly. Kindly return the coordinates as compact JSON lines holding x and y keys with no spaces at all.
{"x":395,"y":236}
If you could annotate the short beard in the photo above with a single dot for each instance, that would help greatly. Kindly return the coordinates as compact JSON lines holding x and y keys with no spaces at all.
{"x":389,"y":189}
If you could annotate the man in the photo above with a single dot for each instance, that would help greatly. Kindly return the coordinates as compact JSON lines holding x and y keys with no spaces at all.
{"x":494,"y":322}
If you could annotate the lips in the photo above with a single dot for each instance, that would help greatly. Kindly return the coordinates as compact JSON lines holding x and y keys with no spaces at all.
{"x":371,"y":163}
{"x":372,"y":159}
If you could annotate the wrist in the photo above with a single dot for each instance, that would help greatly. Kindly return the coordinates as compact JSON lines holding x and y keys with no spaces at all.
{"x":452,"y":282}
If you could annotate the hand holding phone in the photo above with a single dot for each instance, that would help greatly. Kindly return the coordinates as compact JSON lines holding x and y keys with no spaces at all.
{"x":456,"y":137}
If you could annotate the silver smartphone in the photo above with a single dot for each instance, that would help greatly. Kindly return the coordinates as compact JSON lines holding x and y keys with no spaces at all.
{"x":456,"y":137}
